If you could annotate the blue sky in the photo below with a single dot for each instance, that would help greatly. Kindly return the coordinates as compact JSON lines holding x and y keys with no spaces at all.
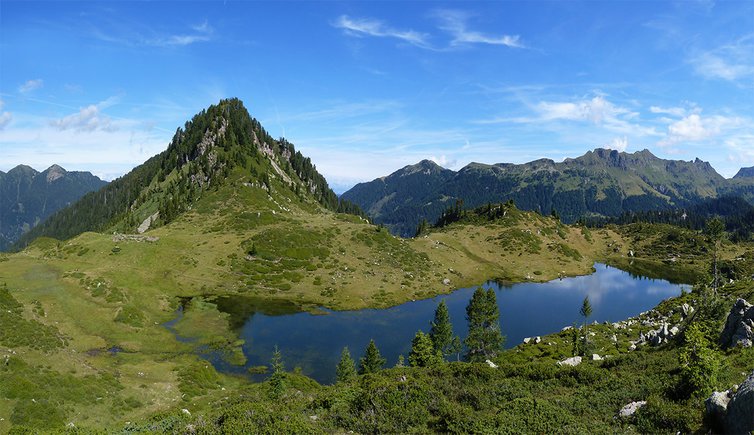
{"x":365,"y":88}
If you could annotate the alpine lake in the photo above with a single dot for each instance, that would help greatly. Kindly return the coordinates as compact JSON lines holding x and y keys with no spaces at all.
{"x":313,"y":341}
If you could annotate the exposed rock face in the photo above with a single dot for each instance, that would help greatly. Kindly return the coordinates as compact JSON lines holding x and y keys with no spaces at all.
{"x":738,"y":325}
{"x":740,"y":415}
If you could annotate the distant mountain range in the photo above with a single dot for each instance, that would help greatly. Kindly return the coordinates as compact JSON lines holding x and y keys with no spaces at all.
{"x":28,"y":197}
{"x":599,"y":183}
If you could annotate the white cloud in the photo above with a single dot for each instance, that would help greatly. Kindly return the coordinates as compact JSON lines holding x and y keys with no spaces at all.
{"x":5,"y":119}
{"x":444,"y":161}
{"x":87,"y":119}
{"x":31,"y":85}
{"x":730,"y":62}
{"x":618,"y":144}
{"x":675,"y":111}
{"x":597,"y":110}
{"x":695,"y":128}
{"x":455,"y":23}
{"x":371,"y":27}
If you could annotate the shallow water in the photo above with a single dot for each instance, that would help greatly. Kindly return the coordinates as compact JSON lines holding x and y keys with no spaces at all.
{"x":314,"y":342}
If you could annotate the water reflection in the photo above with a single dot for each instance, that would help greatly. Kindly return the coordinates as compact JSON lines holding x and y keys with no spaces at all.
{"x":313,"y":342}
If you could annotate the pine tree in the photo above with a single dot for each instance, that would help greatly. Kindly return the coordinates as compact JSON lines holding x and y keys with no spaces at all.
{"x":372,"y":361}
{"x":423,"y":352}
{"x":277,"y":379}
{"x":585,"y":311}
{"x":485,"y":339}
{"x":346,"y":369}
{"x":715,"y":230}
{"x":441,"y":330}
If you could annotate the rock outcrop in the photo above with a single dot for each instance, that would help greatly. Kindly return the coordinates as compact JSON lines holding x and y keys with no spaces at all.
{"x":739,"y":325}
{"x":732,"y":412}
{"x":739,"y":417}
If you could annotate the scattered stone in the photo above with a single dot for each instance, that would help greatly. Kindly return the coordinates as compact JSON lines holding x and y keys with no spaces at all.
{"x":566,"y":328}
{"x":134,"y":238}
{"x":313,"y":417}
{"x":186,"y":411}
{"x":573,"y":361}
{"x":537,"y":340}
{"x":631,"y":408}
{"x":70,"y":425}
{"x":491,"y":364}
{"x":596,"y":357}
{"x":738,"y":325}
{"x":527,"y":340}
{"x":632,"y":348}
{"x":446,"y":281}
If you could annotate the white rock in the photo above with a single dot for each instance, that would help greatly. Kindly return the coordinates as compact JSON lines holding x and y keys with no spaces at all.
{"x":185,"y":411}
{"x":566,"y":328}
{"x":527,"y":340}
{"x":596,"y":357}
{"x":631,"y":408}
{"x":573,"y":361}
{"x":491,"y":364}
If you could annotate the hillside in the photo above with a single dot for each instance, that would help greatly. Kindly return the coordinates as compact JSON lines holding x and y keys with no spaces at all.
{"x":95,"y":330}
{"x":240,"y":214}
{"x":599,"y":183}
{"x":28,"y":197}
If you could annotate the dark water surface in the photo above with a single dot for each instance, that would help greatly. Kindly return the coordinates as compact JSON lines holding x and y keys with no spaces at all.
{"x":314,"y":342}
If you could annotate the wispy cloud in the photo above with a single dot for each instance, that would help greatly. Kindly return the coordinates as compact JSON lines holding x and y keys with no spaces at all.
{"x":371,"y":27}
{"x":451,"y":22}
{"x":455,"y":23}
{"x":5,"y":117}
{"x":30,"y":85}
{"x":732,"y":62}
{"x":199,"y":33}
{"x":87,"y":119}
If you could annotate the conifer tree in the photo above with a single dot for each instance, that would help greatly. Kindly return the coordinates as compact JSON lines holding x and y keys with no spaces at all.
{"x":277,"y":379}
{"x":441,"y":331}
{"x":423,"y":352}
{"x":346,"y":369}
{"x":585,"y":311}
{"x":372,"y":361}
{"x":485,"y":339}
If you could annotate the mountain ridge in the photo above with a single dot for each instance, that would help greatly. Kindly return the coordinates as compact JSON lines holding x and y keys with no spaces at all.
{"x":28,"y":196}
{"x":601,"y":182}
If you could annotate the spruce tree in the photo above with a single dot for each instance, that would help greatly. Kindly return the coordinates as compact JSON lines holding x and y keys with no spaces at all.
{"x":423,"y":352}
{"x":441,"y":330}
{"x":346,"y":369}
{"x":585,"y":311}
{"x":485,"y":339}
{"x":277,"y":379}
{"x":372,"y":361}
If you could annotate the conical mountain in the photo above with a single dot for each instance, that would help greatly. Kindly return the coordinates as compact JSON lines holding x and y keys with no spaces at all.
{"x":222,"y":147}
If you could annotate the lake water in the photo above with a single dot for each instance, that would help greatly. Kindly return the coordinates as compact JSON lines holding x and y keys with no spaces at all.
{"x":314,"y":342}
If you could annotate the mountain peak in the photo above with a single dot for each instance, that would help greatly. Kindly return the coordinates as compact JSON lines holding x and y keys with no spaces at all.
{"x":23,"y":170}
{"x":425,"y":166}
{"x":54,"y":172}
{"x":745,"y":173}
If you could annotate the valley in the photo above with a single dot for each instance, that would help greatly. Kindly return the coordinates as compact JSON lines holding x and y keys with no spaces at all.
{"x":235,"y":223}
